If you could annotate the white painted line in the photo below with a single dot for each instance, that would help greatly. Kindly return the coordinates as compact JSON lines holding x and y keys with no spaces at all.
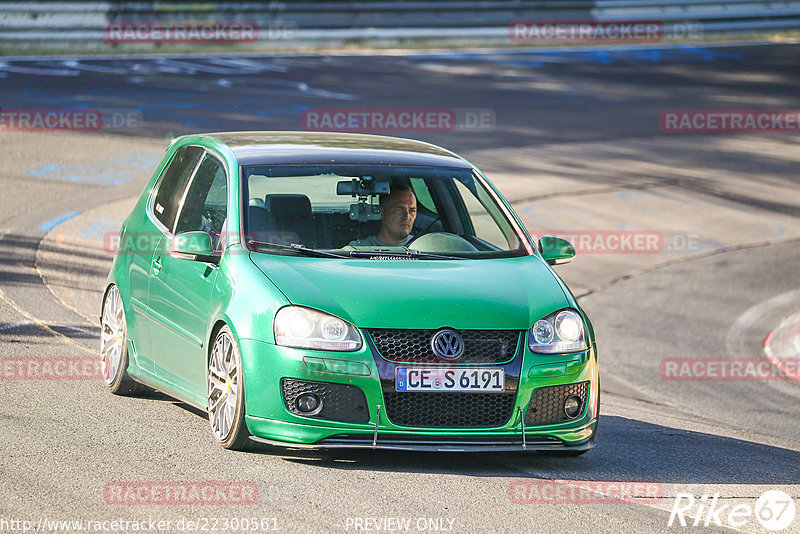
{"x":76,"y":64}
{"x":388,"y":51}
{"x":40,"y":71}
{"x":11,"y":326}
{"x":94,"y":332}
{"x":41,"y":323}
{"x":779,"y":347}
{"x":734,"y":340}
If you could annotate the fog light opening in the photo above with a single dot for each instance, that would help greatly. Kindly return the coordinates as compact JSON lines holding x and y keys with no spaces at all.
{"x":308,"y":403}
{"x":573,"y":406}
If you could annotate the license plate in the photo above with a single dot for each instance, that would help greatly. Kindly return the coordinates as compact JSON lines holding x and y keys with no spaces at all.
{"x":450,"y":379}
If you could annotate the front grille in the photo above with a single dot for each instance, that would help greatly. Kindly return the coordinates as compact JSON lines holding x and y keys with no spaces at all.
{"x":480,"y":346}
{"x":449,"y":410}
{"x":547,"y":404}
{"x":340,"y":402}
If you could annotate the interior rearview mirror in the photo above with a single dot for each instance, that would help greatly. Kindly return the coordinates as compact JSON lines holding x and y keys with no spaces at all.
{"x":364,"y":186}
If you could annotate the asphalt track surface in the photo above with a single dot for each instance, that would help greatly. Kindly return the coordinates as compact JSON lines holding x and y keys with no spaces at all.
{"x":574,"y":141}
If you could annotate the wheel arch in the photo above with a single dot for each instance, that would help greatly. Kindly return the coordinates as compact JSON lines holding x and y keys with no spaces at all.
{"x":217,"y":325}
{"x":109,"y":284}
{"x":213,"y":334}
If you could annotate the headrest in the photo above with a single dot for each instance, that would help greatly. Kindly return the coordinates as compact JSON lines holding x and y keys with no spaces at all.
{"x":288,"y":206}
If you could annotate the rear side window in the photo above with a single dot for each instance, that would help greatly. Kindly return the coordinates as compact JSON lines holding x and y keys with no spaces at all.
{"x":173,"y":183}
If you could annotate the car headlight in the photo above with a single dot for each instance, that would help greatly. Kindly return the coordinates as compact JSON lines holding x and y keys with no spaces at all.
{"x":558,"y":333}
{"x":304,"y":328}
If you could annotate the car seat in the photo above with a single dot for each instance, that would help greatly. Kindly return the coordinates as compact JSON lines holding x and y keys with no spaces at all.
{"x":293,"y":219}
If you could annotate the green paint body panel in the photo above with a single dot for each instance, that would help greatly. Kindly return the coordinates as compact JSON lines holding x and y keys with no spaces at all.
{"x":174,"y":313}
{"x":484,"y":294}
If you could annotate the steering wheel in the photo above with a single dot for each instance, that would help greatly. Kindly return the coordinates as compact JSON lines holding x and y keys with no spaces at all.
{"x":428,"y":227}
{"x":215,"y":217}
{"x":441,"y":242}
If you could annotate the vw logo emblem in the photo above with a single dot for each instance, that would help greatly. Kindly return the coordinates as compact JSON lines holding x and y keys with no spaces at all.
{"x":446,"y":343}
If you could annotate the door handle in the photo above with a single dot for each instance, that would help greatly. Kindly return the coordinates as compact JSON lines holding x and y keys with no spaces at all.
{"x":156,"y":266}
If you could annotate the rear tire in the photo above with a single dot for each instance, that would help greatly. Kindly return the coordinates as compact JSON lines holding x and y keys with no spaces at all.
{"x":114,"y":346}
{"x":225,"y":401}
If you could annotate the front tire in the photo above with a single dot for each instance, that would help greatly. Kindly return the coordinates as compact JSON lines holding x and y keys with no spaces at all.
{"x":226,"y":393}
{"x":114,"y":346}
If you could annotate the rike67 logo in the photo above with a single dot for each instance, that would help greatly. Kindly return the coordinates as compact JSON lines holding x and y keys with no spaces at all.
{"x":774,"y":510}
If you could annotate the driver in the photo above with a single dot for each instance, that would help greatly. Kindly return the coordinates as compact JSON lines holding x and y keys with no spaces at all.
{"x":398,"y":212}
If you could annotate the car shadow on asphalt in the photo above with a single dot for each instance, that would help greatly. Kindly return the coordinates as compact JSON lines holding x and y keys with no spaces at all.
{"x":626,"y":450}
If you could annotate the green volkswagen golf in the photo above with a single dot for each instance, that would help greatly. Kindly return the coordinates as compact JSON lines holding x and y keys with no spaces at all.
{"x":322,"y":290}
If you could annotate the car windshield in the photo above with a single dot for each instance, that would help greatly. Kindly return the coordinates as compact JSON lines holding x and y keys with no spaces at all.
{"x":377,"y":212}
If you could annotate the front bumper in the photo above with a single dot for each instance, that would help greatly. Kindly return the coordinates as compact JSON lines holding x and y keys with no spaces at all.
{"x":437,"y":443}
{"x":269,"y":420}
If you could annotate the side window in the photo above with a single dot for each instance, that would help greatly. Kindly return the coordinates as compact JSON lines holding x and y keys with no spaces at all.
{"x":205,"y":205}
{"x":173,"y":183}
{"x":484,"y":218}
{"x":423,"y":194}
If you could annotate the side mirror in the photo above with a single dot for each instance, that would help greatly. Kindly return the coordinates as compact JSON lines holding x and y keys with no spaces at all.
{"x":193,"y":246}
{"x":555,"y":250}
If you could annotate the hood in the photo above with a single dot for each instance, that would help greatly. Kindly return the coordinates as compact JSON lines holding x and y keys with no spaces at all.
{"x":509,"y":293}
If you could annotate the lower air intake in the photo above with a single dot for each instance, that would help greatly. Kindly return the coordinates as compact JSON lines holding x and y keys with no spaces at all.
{"x":340,"y":402}
{"x":547,"y":404}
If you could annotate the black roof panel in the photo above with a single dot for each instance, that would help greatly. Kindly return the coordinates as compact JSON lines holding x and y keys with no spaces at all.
{"x":283,"y":148}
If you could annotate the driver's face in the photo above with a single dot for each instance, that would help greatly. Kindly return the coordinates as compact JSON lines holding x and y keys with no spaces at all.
{"x":398,"y":213}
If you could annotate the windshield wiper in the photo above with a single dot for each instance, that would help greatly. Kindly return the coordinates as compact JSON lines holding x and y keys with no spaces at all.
{"x":407,"y":255}
{"x":294,"y":247}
